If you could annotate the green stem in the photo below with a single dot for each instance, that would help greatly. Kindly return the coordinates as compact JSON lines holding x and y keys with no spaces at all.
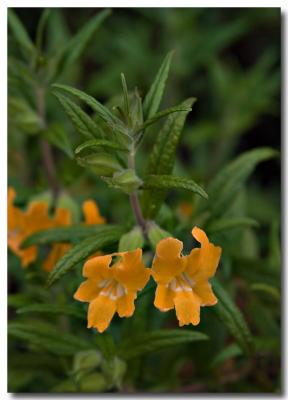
{"x":134,"y":198}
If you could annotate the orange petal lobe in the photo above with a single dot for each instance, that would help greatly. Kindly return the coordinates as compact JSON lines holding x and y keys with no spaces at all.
{"x":164,"y":298}
{"x":100,"y":313}
{"x":91,"y":213}
{"x":87,"y":291}
{"x":125,"y":304}
{"x":187,"y":305}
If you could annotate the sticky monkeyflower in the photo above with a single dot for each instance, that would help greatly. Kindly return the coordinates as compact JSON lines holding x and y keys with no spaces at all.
{"x":62,"y":218}
{"x":183,"y":281}
{"x":91,"y":213}
{"x":23,"y":224}
{"x":111,"y":289}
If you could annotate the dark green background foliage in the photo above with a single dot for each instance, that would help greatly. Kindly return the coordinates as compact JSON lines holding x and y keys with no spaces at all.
{"x":229,"y":59}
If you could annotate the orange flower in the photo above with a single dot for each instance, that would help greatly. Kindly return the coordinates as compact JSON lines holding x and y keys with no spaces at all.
{"x":23,"y":224}
{"x":91,"y":213}
{"x":62,"y":218}
{"x":182,"y":281}
{"x":185,"y":209}
{"x":112,"y":289}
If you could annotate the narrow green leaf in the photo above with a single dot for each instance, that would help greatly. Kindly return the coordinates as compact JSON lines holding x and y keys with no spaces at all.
{"x":266,"y":289}
{"x":229,"y":180}
{"x":232,"y":318}
{"x":40,"y":29}
{"x":82,"y":251}
{"x":102,"y":111}
{"x":52,"y":309}
{"x":173,"y":182}
{"x":156,"y":340}
{"x":56,"y":135}
{"x":162,"y":114}
{"x":69,"y":234}
{"x":162,"y":157}
{"x":20,"y":32}
{"x":96,"y":143}
{"x":79,"y":42}
{"x":224,"y":224}
{"x":47,"y":337}
{"x":81,"y":121}
{"x":154,"y":96}
{"x":126,"y":99}
{"x":233,"y":350}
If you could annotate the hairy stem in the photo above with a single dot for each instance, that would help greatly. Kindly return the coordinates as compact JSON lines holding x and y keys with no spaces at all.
{"x":46,"y":150}
{"x":134,"y":198}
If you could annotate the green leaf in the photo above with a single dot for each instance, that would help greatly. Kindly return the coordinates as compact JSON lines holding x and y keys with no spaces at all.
{"x":47,"y":337}
{"x":125,"y":180}
{"x":102,"y":164}
{"x":224,"y":224}
{"x":77,"y":44}
{"x":232,"y":318}
{"x":162,"y":157}
{"x":126,"y":99}
{"x":56,"y":135}
{"x":80,"y":120}
{"x":69,"y":234}
{"x":20,"y":33}
{"x":233,"y":350}
{"x":82,"y":251}
{"x":103,"y":112}
{"x":162,"y":114}
{"x":173,"y":182}
{"x":154,"y":96}
{"x":52,"y":309}
{"x":156,"y":340}
{"x":40,"y":29}
{"x":229,"y":180}
{"x":96,"y":143}
{"x":266,"y":289}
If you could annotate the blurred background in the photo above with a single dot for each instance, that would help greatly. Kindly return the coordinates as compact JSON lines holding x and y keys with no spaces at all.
{"x":230,"y":60}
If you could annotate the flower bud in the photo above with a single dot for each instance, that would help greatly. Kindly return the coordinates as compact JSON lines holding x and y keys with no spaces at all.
{"x":102,"y":164}
{"x":131,"y":240}
{"x":155,"y":233}
{"x":125,"y":180}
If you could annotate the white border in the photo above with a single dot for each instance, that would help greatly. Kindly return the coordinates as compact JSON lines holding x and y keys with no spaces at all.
{"x":3,"y":160}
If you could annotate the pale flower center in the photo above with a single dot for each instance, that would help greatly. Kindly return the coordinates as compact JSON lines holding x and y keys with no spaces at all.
{"x":111,"y":288}
{"x":181,"y":283}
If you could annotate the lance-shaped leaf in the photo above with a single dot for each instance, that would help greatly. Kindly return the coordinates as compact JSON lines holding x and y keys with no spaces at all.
{"x":154,"y":96}
{"x":103,"y":112}
{"x":156,"y":340}
{"x":81,"y":121}
{"x":77,"y":44}
{"x":229,"y":180}
{"x":232,"y":317}
{"x":162,"y":114}
{"x":20,"y":33}
{"x":224,"y":224}
{"x":96,"y":143}
{"x":173,"y":182}
{"x":52,"y":309}
{"x":56,"y":135}
{"x":82,"y":251}
{"x":69,"y":234}
{"x":162,"y":157}
{"x":47,"y":337}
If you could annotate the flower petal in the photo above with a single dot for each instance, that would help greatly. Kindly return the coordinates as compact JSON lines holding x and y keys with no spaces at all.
{"x":187,"y":305}
{"x":57,"y":251}
{"x":91,"y":213}
{"x":164,"y":298}
{"x":62,"y":217}
{"x":125,"y":304}
{"x":130,"y":271}
{"x":98,"y":267}
{"x":168,"y":261}
{"x":202,"y":263}
{"x":87,"y":291}
{"x":205,"y":293}
{"x":100,"y":313}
